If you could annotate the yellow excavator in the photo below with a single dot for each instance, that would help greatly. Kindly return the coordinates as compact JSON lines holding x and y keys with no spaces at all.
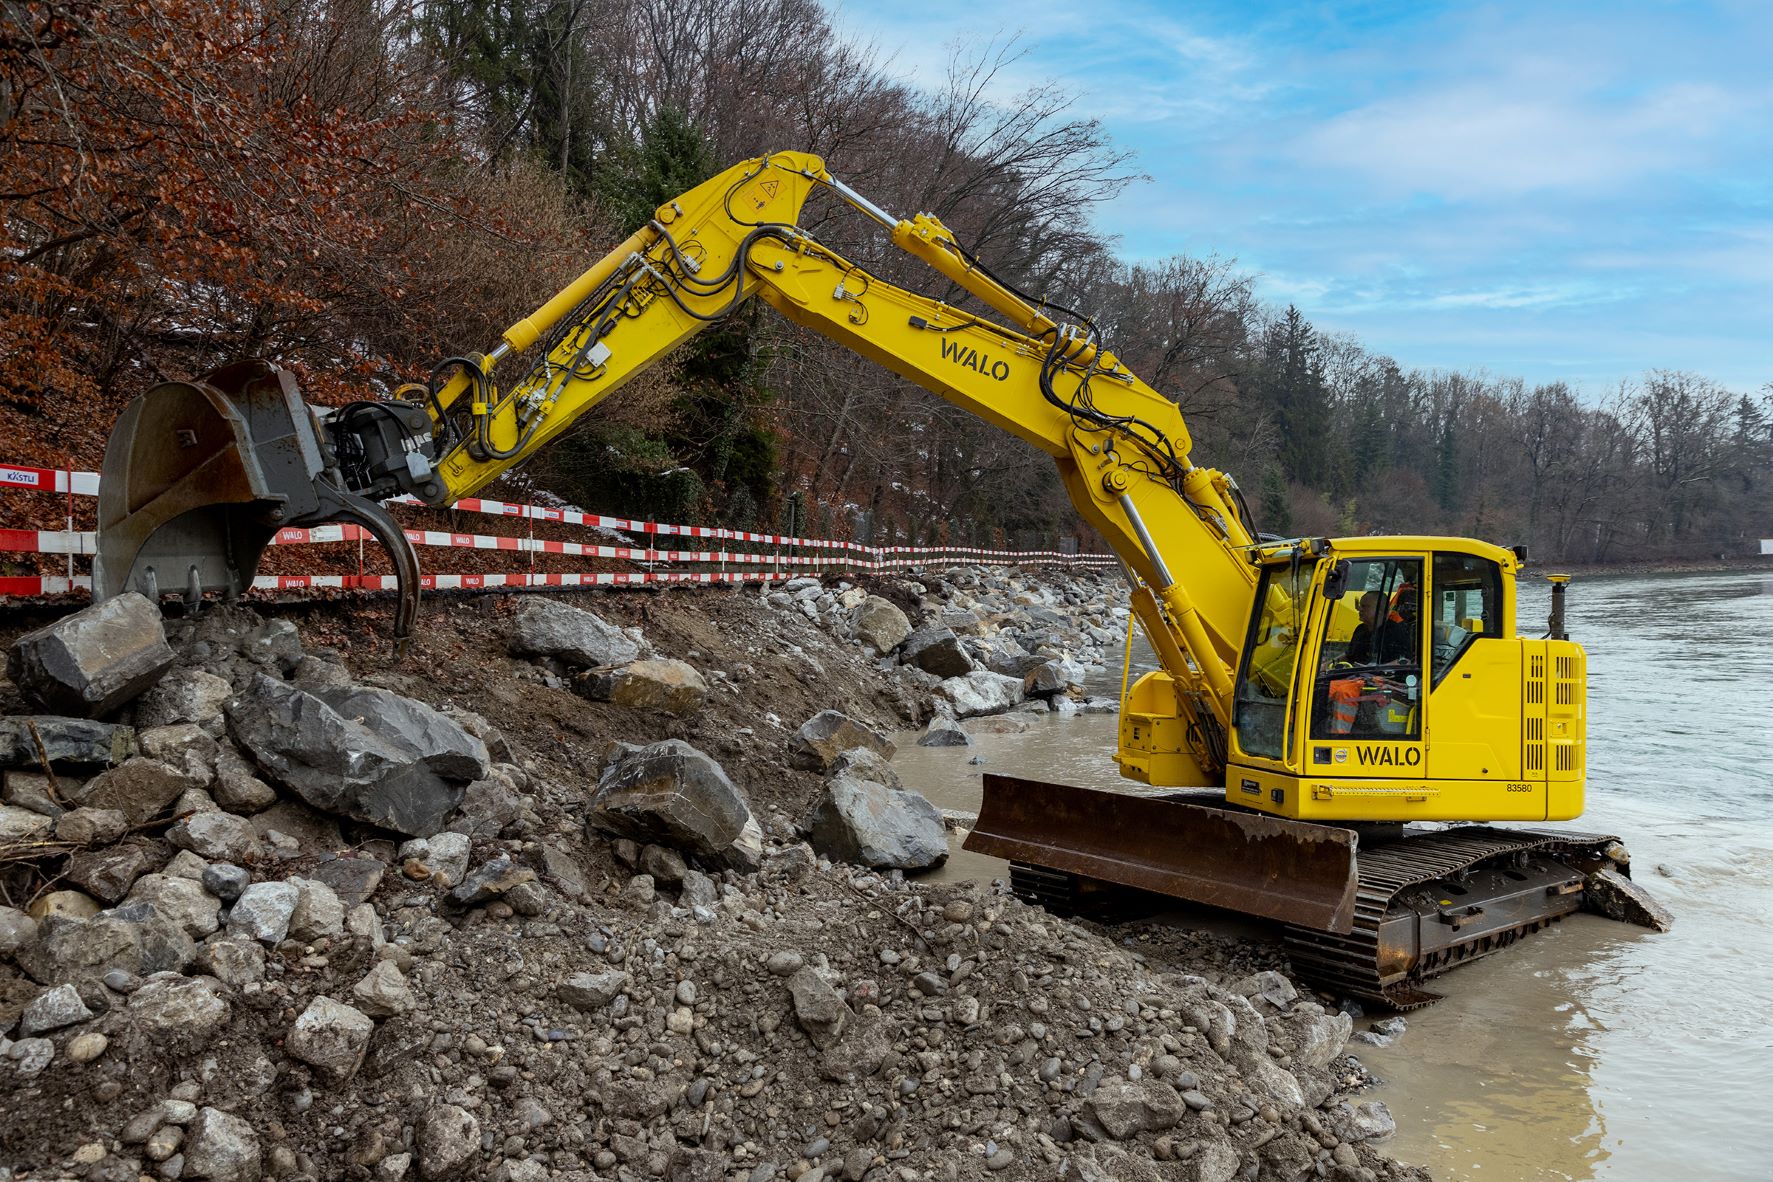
{"x":1320,"y":701}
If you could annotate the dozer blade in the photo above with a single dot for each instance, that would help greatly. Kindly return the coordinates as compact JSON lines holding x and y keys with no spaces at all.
{"x":1197,"y":848}
{"x":199,"y":477}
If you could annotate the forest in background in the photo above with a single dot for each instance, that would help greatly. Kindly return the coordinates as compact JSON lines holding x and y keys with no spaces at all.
{"x":358,"y":189}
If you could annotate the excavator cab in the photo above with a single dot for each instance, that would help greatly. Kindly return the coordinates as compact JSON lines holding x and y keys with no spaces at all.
{"x":1384,"y":683}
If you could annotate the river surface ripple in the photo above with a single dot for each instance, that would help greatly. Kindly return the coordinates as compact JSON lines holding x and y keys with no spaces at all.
{"x":1592,"y":1051}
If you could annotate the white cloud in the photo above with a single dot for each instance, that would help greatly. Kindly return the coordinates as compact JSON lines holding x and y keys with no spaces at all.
{"x":1519,"y":133}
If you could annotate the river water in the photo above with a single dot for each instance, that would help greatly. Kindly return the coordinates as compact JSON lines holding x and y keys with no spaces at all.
{"x":1592,"y":1050}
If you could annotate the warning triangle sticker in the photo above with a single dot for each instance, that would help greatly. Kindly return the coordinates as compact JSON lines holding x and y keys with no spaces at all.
{"x":769,"y":188}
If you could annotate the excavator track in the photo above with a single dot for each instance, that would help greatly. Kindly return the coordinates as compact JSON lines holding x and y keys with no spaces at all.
{"x":1429,"y":903}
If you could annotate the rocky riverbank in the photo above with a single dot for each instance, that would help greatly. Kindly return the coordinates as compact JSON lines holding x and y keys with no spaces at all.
{"x":609,"y":887}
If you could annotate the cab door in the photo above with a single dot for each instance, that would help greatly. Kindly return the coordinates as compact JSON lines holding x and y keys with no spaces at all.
{"x":1474,"y":674}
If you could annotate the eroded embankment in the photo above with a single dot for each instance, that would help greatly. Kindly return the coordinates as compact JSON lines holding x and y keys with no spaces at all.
{"x":535,"y":901}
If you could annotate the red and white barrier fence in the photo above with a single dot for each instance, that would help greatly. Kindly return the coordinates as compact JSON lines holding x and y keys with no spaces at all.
{"x":853,"y":556}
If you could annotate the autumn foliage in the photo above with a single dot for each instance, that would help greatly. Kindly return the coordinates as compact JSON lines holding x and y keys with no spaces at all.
{"x":184,"y":182}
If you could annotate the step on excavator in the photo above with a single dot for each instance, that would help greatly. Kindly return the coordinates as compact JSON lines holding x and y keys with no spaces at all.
{"x":1345,"y":735}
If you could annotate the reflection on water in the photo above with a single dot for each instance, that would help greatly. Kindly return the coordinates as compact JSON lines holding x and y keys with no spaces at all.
{"x":1593,"y":1050}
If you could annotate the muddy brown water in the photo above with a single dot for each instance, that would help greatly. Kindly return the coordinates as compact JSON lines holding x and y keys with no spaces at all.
{"x":1592,"y":1051}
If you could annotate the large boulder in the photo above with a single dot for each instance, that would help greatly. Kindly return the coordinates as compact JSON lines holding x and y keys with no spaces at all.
{"x":937,"y":650}
{"x":825,"y":736}
{"x":870,"y":824}
{"x":67,"y":741}
{"x":980,"y":692}
{"x":943,"y":731}
{"x":547,"y":628}
{"x":673,"y":794}
{"x":358,"y":752}
{"x":880,"y":624}
{"x":94,"y":661}
{"x":673,"y":687}
{"x":1052,"y":677}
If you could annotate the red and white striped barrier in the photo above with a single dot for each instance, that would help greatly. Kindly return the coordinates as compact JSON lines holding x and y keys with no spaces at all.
{"x":853,"y":556}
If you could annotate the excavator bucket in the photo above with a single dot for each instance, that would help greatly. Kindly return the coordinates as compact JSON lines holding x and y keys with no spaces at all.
{"x":199,"y":476}
{"x":1187,"y":845}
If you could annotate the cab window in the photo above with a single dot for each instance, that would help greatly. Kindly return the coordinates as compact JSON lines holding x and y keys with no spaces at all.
{"x":1369,"y":675}
{"x":1467,"y":598}
{"x":1271,"y":654}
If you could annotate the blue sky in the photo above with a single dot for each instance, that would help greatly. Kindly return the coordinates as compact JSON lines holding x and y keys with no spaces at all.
{"x":1556,"y":191}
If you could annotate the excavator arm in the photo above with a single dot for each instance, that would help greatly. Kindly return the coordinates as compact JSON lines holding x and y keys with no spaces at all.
{"x":1027,"y":366}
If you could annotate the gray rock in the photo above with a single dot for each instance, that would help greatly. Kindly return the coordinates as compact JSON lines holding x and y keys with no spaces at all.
{"x":141,"y":788}
{"x":331,"y":1036}
{"x":818,"y":1008}
{"x":1370,"y":1121}
{"x":318,"y":914}
{"x":94,"y":661}
{"x":873,"y":825}
{"x":33,"y":791}
{"x":785,"y":963}
{"x":233,"y":960}
{"x":19,"y":826}
{"x":1275,"y":989}
{"x":698,"y":890}
{"x":353,"y":878}
{"x":185,"y":746}
{"x":591,"y":991}
{"x":880,"y":624}
{"x":1052,"y":677}
{"x":547,"y":628}
{"x":31,"y":1054}
{"x":180,"y":900}
{"x":865,"y":764}
{"x":383,"y":992}
{"x":90,"y":826}
{"x":943,"y":731}
{"x":225,"y":880}
{"x":491,"y":880}
{"x":665,"y":865}
{"x":825,"y":736}
{"x":222,"y":1147}
{"x":980,"y":692}
{"x":444,"y":855}
{"x":448,"y":1140}
{"x":673,"y":687}
{"x":107,"y":874}
{"x":497,"y":745}
{"x":215,"y":837}
{"x":236,"y":788}
{"x":178,"y":1012}
{"x":52,"y":1010}
{"x":671,"y":793}
{"x":78,"y":742}
{"x":136,"y":938}
{"x":489,"y":804}
{"x":1127,"y":1107}
{"x":16,"y":930}
{"x":184,"y":696}
{"x":263,"y":911}
{"x":937,"y":650}
{"x":363,"y":753}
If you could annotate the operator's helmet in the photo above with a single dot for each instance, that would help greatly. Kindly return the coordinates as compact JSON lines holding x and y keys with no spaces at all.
{"x":1403,"y":604}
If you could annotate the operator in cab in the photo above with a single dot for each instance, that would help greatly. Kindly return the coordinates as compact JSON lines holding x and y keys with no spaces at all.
{"x":1383,"y":635}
